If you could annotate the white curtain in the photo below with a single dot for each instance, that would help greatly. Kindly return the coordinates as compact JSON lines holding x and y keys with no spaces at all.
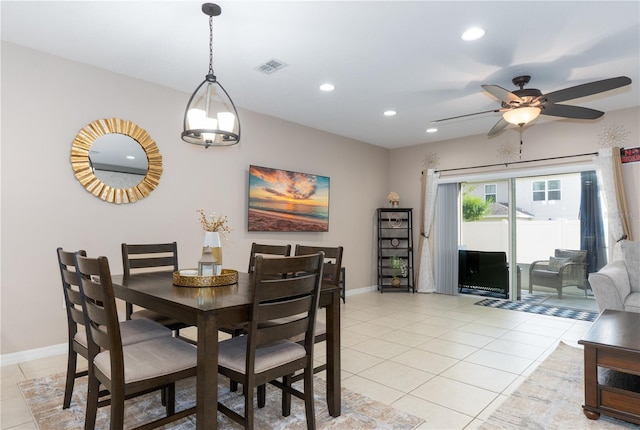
{"x":425,"y":282}
{"x":446,"y":239}
{"x":608,"y":168}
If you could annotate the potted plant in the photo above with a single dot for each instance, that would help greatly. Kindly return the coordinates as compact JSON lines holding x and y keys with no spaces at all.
{"x":398,"y":269}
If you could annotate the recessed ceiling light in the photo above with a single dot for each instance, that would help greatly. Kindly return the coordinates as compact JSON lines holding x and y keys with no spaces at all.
{"x":432,"y":130}
{"x":327,"y":87}
{"x":389,"y":113}
{"x":473,"y":33}
{"x":130,"y":157}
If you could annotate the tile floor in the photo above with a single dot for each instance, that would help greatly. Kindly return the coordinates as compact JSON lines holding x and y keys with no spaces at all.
{"x":439,"y":357}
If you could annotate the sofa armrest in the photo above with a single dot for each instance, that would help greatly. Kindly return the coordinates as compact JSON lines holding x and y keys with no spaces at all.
{"x":611,"y":286}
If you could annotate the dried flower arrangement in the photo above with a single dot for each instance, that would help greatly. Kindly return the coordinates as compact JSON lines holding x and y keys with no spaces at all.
{"x":393,"y":197}
{"x":213,"y":223}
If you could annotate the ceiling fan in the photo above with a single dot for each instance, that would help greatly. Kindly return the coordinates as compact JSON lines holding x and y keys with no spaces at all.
{"x":522,"y":106}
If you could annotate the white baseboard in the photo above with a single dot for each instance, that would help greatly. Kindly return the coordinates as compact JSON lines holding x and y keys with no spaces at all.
{"x":363,"y":290}
{"x":33,"y":354}
{"x":50,"y":351}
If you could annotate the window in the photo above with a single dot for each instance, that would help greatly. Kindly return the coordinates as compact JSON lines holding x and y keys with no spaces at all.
{"x":490,"y":191}
{"x":546,"y":190}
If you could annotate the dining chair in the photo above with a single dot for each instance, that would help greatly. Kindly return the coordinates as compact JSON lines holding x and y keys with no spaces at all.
{"x":265,"y":353}
{"x":126,"y":371}
{"x":138,"y":258}
{"x":331,"y":276}
{"x":132,"y":331}
{"x":264,"y":249}
{"x":256,"y":249}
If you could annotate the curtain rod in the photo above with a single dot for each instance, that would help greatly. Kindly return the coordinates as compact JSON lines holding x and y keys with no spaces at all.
{"x":517,"y":162}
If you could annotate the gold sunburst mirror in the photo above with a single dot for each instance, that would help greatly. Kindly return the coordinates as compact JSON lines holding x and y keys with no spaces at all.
{"x":116,"y":160}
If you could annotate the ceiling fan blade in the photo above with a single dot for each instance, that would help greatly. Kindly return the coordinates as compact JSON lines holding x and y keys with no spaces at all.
{"x":501,"y":94}
{"x":587,"y":89}
{"x":498,"y":127}
{"x":463,"y":116}
{"x":567,"y":111}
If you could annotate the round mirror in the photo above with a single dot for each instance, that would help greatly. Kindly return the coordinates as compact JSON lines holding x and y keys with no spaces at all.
{"x":116,"y":160}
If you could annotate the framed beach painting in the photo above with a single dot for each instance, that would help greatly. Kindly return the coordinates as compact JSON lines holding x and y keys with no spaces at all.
{"x":281,"y":200}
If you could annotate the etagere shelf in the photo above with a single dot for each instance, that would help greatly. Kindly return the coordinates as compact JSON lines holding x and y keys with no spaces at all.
{"x":395,"y":239}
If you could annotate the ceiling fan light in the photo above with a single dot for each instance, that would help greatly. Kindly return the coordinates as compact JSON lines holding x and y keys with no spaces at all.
{"x":522,"y":115}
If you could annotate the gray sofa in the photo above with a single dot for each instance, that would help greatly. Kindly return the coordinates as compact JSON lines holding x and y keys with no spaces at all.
{"x":617,"y":285}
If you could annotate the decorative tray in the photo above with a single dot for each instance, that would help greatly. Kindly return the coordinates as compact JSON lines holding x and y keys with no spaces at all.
{"x":189,"y":278}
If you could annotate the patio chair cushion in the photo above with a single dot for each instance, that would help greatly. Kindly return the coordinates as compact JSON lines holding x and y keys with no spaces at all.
{"x":556,"y":263}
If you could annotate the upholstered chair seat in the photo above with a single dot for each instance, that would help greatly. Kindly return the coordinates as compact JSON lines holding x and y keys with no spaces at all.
{"x":146,"y":360}
{"x":132,"y":331}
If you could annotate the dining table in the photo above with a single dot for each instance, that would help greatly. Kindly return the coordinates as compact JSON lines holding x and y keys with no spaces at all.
{"x":208,"y":309}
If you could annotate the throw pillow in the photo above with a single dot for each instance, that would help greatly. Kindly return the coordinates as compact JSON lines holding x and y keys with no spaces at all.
{"x":555,"y":263}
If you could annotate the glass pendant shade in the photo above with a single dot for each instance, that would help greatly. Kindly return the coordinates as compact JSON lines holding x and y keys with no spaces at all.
{"x":521,"y":115}
{"x":211,"y":118}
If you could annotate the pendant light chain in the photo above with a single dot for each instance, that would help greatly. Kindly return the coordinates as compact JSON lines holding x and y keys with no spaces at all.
{"x":211,"y":45}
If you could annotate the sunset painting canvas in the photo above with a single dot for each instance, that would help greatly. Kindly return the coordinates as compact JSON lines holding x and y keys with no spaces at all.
{"x":280,"y":200}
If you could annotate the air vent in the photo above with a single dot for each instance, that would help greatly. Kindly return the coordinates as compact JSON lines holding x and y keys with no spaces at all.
{"x":271,"y":66}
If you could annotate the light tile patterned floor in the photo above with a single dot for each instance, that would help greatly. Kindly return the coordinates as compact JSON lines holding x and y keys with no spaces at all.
{"x":439,"y":357}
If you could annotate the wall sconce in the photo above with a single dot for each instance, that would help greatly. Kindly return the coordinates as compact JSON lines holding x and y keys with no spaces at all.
{"x":211,"y":118}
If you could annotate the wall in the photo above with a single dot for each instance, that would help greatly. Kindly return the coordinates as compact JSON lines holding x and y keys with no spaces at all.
{"x":551,"y":139}
{"x":46,"y":100}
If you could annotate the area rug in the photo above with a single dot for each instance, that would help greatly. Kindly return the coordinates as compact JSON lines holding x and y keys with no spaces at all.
{"x":554,"y":311}
{"x":44,"y":399}
{"x":551,"y":398}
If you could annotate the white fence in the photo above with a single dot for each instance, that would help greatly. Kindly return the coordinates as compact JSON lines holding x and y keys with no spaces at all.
{"x":536,"y":240}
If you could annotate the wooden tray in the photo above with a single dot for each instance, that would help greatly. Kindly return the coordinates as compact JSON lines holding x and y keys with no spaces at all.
{"x":228,"y":277}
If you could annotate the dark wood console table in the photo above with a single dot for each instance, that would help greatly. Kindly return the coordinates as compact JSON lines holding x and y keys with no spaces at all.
{"x":612,"y":366}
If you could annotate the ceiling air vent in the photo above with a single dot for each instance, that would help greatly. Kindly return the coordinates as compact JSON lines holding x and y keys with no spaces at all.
{"x":271,"y":66}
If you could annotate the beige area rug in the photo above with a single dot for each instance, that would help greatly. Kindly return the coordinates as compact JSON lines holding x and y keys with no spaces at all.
{"x":44,"y":399}
{"x":551,"y":398}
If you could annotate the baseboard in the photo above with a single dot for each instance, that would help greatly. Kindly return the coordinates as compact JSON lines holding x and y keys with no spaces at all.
{"x":33,"y":354}
{"x":49,"y":351}
{"x":363,"y":290}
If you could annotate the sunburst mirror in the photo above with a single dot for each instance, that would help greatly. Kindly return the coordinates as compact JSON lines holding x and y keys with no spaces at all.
{"x":116,"y":160}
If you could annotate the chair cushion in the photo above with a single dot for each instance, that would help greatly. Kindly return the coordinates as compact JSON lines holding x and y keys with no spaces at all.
{"x":232,"y":353}
{"x":631,"y":251}
{"x":132,"y":331}
{"x":151,"y":358}
{"x":556,"y":263}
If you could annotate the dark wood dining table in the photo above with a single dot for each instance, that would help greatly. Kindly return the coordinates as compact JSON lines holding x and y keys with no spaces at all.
{"x":212,"y":307}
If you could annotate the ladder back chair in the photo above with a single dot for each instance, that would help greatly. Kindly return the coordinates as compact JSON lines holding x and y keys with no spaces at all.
{"x":127,"y":370}
{"x":256,"y":249}
{"x":264,"y":249}
{"x":138,"y":258}
{"x":331,"y":276}
{"x":288,"y":306}
{"x":131,"y":331}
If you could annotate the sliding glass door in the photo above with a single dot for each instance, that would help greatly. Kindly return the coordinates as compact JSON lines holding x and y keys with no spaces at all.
{"x":550,"y":225}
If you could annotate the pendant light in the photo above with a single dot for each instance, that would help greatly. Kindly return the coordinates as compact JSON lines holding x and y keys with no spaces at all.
{"x":211,"y":118}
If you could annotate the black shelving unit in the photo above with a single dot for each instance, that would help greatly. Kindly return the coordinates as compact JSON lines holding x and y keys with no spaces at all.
{"x":395,"y":239}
